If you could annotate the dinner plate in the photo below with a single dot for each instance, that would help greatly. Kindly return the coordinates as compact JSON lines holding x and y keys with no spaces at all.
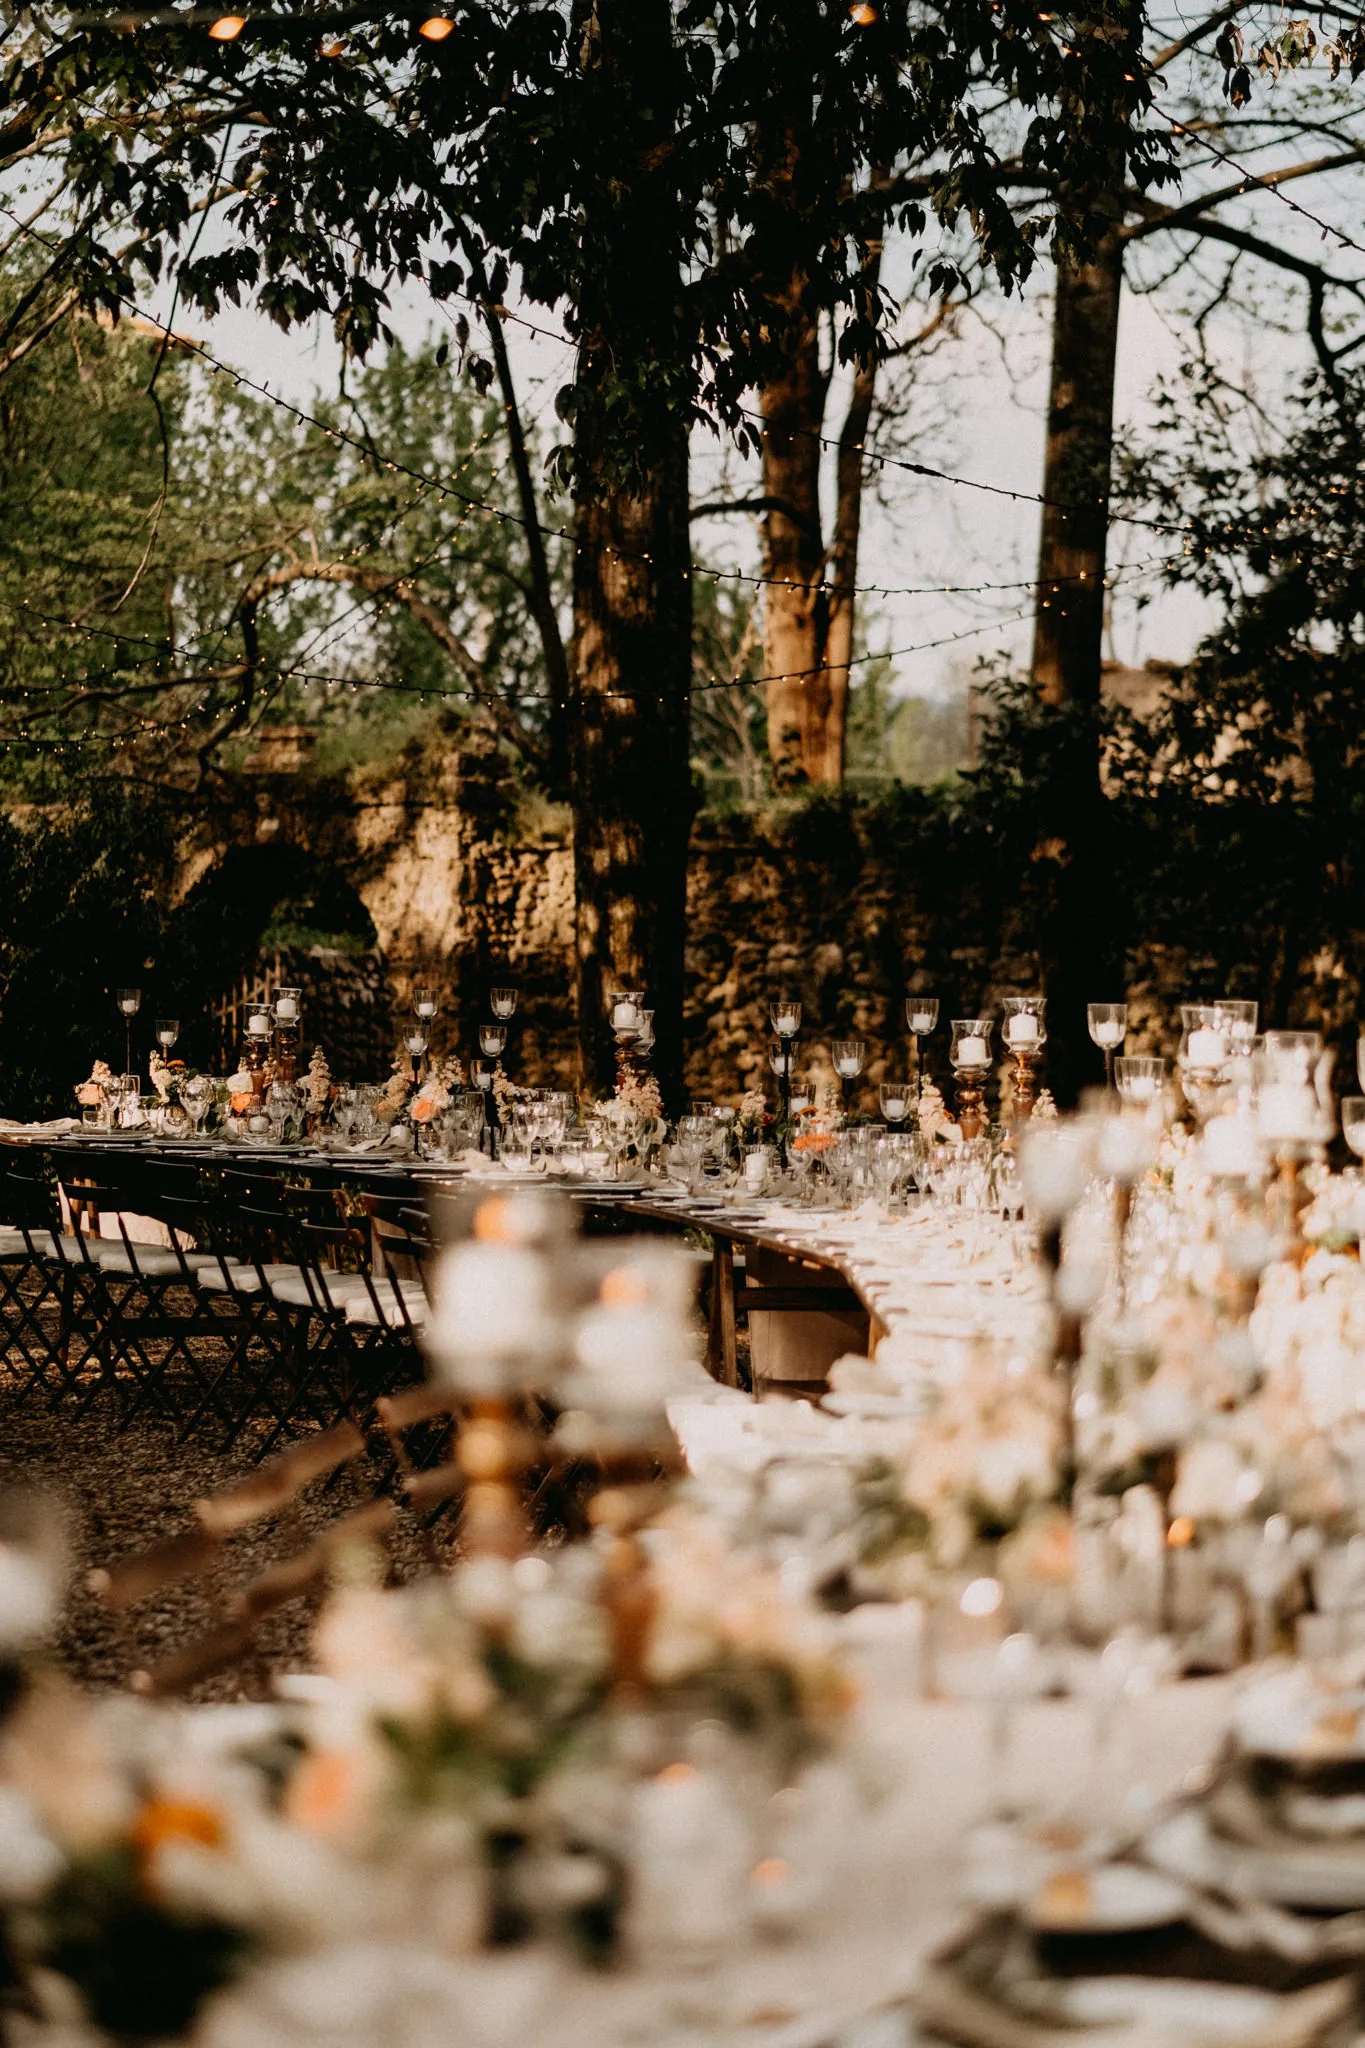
{"x":1106,"y":1899}
{"x":1325,"y":1876}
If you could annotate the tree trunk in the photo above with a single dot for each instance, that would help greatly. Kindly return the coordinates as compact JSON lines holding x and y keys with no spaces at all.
{"x":795,"y":601}
{"x":1069,"y":626}
{"x":629,"y":756}
{"x":1082,"y":945}
{"x":843,"y":604}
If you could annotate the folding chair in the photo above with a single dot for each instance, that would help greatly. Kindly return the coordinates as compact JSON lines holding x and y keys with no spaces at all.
{"x":202,"y":1554}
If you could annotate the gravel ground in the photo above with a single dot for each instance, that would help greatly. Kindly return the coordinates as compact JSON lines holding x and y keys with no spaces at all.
{"x":122,"y":1488}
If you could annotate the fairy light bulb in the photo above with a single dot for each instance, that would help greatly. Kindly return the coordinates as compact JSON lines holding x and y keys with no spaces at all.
{"x":436,"y":28}
{"x":227,"y":28}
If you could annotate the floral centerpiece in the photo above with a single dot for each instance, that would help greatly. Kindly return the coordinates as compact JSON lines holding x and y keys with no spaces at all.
{"x":432,"y":1098}
{"x":90,"y":1094}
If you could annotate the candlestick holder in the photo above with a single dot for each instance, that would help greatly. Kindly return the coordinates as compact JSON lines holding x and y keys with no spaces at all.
{"x":785,"y":1017}
{"x":1025,"y":1034}
{"x":630,"y":1025}
{"x":492,"y":1044}
{"x":1108,"y":1027}
{"x":921,"y":1014}
{"x":969,"y":1054}
{"x":848,"y":1055}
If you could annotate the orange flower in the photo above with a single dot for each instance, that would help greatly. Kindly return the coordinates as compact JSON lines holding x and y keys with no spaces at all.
{"x":325,"y":1791}
{"x":176,"y":1820}
{"x":423,"y":1111}
{"x":813,"y":1141}
{"x":240,"y":1104}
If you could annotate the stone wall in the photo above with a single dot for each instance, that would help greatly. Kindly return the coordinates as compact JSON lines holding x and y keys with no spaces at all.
{"x":847,"y":906}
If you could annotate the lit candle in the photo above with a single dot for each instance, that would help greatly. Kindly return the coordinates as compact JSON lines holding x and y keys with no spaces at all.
{"x":756,"y":1168}
{"x":921,"y":1023}
{"x":1141,"y":1089}
{"x":286,"y":1009}
{"x":426,"y":1006}
{"x":1109,"y":1034}
{"x":1022,"y":1028}
{"x":1206,"y":1048}
{"x":258,"y":1027}
{"x":972,"y":1052}
{"x":624,"y":1016}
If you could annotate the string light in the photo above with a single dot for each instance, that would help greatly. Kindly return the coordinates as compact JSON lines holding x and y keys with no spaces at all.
{"x":227,"y":28}
{"x":436,"y":28}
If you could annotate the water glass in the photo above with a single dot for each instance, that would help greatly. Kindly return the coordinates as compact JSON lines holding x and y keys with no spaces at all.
{"x":1353,"y":1123}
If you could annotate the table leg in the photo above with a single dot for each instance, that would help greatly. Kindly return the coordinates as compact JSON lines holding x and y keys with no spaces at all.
{"x":724,"y":1359}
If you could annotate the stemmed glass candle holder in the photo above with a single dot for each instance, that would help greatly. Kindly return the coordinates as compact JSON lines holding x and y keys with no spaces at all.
{"x":502,"y":1002}
{"x":921,"y":1014}
{"x":425,"y":1004}
{"x":969,"y":1053}
{"x":1203,"y":1059}
{"x":416,"y":1041}
{"x":1108,"y":1027}
{"x":288,"y":1007}
{"x":848,"y":1055}
{"x":1353,"y":1123}
{"x":167,"y":1032}
{"x":129,"y":1003}
{"x":785,"y":1017}
{"x":492,"y":1040}
{"x":257,"y":1046}
{"x":1025,"y":1035}
{"x":288,"y":1021}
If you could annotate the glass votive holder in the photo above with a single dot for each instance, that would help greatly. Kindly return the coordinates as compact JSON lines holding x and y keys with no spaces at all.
{"x":785,"y":1017}
{"x":848,"y":1055}
{"x":288,"y":1006}
{"x":644,"y":1036}
{"x":1203,"y":1046}
{"x":970,"y":1046}
{"x":492,"y":1040}
{"x":781,"y":1056}
{"x":167,"y":1032}
{"x":921,"y":1014}
{"x":417,"y":1043}
{"x":895,"y":1101}
{"x":1107,"y":1024}
{"x":425,"y":1003}
{"x":1024,"y":1028}
{"x":502,"y":1002}
{"x":1238,"y":1019}
{"x":624,"y":1010}
{"x":130,"y":1001}
{"x":258,"y":1022}
{"x":802,"y":1094}
{"x":1290,"y":1055}
{"x":1139,"y":1079}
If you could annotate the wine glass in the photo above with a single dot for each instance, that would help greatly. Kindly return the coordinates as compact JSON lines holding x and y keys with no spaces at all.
{"x":196,"y":1094}
{"x":1353,"y":1123}
{"x":129,"y":1002}
{"x":167,"y":1031}
{"x":502,"y":1002}
{"x":1108,"y":1025}
{"x":895,"y":1101}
